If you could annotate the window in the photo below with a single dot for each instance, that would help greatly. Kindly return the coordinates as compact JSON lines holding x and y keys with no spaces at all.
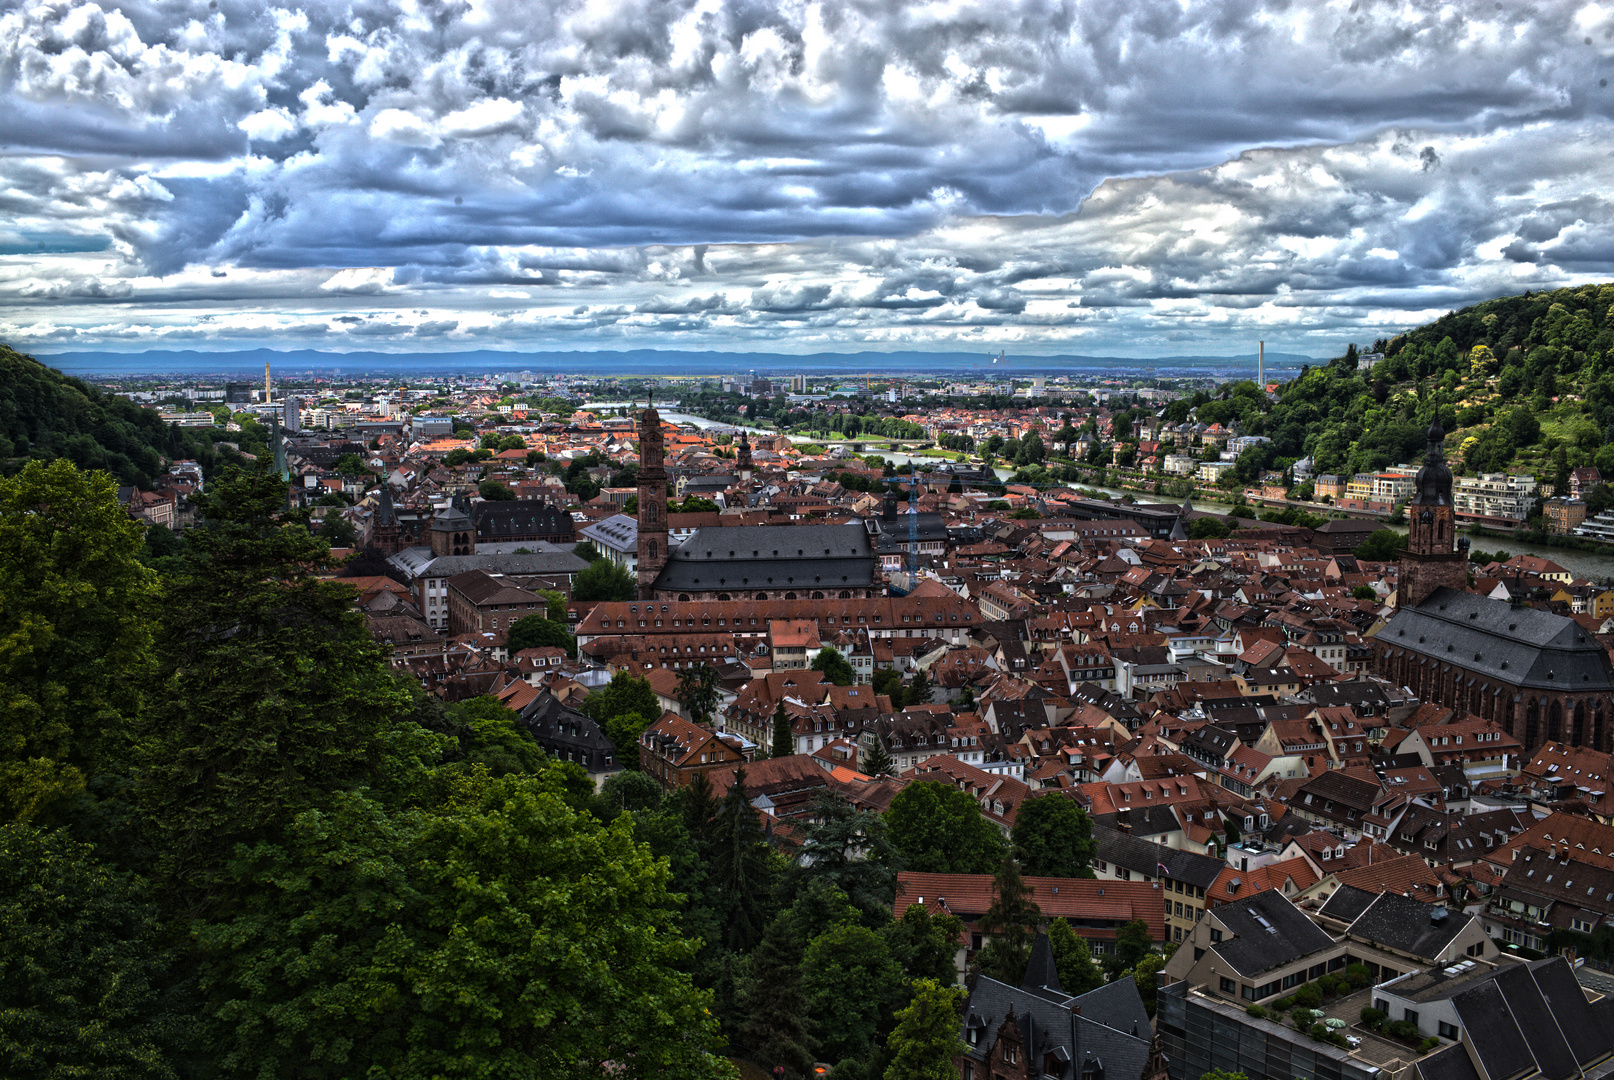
{"x":1229,"y":986}
{"x":1216,"y":935}
{"x":1409,"y":1015}
{"x":1447,"y":1031}
{"x":1011,"y":1053}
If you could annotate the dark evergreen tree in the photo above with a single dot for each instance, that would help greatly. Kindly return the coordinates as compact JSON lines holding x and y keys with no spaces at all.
{"x":742,"y":867}
{"x":784,"y":743}
{"x":775,"y":1027}
{"x":272,"y":696}
{"x":919,"y":689}
{"x":877,"y":762}
{"x":1011,"y":922}
{"x":848,"y":849}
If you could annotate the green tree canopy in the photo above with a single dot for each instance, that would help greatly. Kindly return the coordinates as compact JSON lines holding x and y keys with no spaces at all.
{"x":926,"y":944}
{"x":76,"y":615}
{"x":784,"y":742}
{"x":835,"y":666}
{"x":938,"y":829}
{"x":272,"y":695}
{"x":919,"y":689}
{"x":603,"y":580}
{"x":848,"y":849}
{"x":1073,"y":959}
{"x":851,"y":983}
{"x":1385,"y":545}
{"x":496,"y":491}
{"x":1132,"y":942}
{"x":82,"y":965}
{"x":1011,"y":922}
{"x":535,"y":631}
{"x":1053,"y":837}
{"x":697,"y":692}
{"x":775,"y":1026}
{"x":473,"y":938}
{"x":925,"y":1043}
{"x":496,"y":738}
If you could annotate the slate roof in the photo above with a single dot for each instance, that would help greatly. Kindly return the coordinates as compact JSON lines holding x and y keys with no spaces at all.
{"x":1269,"y":932}
{"x":1147,"y":857}
{"x":1492,"y":1030}
{"x":1451,"y":1063}
{"x":1515,"y":645}
{"x":522,"y":517}
{"x":1049,"y":1027}
{"x":772,"y":556}
{"x":1407,"y":925}
{"x":1541,"y":1034}
{"x":1042,"y":976}
{"x":1347,"y":903}
{"x":553,"y":561}
{"x":1587,"y":1036}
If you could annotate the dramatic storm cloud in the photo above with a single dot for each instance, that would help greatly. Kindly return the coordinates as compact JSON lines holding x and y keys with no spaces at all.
{"x":1116,"y":176}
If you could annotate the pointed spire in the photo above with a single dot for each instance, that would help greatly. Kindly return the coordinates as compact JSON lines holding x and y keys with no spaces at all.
{"x":385,"y":513}
{"x":1041,"y":973}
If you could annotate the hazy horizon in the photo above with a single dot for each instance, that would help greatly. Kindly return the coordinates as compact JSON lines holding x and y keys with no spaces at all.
{"x":656,"y":363}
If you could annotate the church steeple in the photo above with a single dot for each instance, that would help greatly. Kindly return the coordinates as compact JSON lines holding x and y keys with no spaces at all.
{"x":743,"y":462}
{"x":1434,"y":557}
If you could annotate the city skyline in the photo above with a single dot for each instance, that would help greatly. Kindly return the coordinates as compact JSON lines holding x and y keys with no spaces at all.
{"x":1145,"y":180}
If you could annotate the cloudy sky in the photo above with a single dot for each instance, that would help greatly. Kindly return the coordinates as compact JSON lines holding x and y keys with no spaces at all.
{"x":1122,"y":176}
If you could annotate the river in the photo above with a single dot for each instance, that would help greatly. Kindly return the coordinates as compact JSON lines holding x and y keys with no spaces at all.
{"x":1583,"y":564}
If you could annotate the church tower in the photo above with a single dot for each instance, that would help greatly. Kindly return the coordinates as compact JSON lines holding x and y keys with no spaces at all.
{"x":652,"y":500}
{"x":1434,"y":556}
{"x":743,"y":462}
{"x":384,"y":531}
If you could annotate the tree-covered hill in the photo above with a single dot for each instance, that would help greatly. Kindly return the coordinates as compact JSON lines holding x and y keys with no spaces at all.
{"x":45,"y":415}
{"x":1520,"y":384}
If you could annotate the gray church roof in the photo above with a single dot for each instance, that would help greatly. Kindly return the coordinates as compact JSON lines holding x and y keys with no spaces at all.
{"x":822,"y":557}
{"x":1515,"y":645}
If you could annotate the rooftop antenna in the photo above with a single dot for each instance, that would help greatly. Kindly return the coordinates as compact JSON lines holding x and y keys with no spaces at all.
{"x":1261,"y":366}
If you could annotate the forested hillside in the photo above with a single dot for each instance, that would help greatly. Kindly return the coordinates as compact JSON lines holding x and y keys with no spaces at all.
{"x":46,"y":415}
{"x":1521,"y":383}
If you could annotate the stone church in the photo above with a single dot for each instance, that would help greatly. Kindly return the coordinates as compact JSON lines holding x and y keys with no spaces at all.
{"x":1541,"y":677}
{"x":751,"y":562}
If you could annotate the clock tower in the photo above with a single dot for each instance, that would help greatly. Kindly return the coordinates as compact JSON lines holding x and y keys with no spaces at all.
{"x":1434,"y":556}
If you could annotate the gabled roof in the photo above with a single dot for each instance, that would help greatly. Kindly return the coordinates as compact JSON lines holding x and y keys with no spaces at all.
{"x":1409,"y":926}
{"x":1155,"y":860}
{"x":1268,"y":932}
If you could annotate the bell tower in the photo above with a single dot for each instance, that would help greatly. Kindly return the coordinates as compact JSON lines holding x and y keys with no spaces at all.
{"x":1434,"y":557}
{"x":743,"y":462}
{"x":652,"y":500}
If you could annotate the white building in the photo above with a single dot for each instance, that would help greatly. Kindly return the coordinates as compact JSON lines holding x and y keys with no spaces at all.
{"x":617,"y":538}
{"x":1494,"y":495}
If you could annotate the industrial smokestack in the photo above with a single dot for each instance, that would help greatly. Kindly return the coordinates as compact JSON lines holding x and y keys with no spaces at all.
{"x":266,"y":394}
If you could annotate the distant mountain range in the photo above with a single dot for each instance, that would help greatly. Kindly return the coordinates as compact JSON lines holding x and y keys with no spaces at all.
{"x":649,"y":362}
